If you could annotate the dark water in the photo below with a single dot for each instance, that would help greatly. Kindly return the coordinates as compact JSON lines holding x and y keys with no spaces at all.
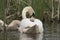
{"x":51,"y":32}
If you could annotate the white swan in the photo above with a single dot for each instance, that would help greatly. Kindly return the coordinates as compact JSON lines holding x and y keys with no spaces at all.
{"x":14,"y":25}
{"x":28,"y":25}
{"x":2,"y":24}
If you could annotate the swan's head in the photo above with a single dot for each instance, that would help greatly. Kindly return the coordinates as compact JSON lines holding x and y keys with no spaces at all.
{"x":28,"y":11}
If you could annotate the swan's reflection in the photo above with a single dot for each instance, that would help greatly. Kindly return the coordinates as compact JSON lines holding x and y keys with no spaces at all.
{"x":20,"y":36}
{"x":13,"y":35}
{"x":31,"y":36}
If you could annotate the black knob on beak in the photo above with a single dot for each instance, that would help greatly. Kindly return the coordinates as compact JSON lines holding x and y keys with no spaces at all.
{"x":32,"y":15}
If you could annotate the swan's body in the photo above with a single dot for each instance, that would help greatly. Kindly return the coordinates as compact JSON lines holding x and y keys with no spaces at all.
{"x":28,"y":25}
{"x":14,"y":25}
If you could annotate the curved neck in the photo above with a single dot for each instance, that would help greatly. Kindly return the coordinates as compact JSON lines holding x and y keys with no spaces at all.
{"x":24,"y":14}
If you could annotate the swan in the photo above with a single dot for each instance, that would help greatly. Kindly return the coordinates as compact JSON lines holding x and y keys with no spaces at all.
{"x":28,"y":25}
{"x":2,"y":24}
{"x":14,"y":25}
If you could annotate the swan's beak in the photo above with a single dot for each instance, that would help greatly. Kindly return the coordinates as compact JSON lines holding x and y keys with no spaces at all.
{"x":33,"y":15}
{"x":32,"y":19}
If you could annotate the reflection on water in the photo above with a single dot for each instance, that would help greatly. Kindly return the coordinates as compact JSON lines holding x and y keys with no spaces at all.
{"x":14,"y":35}
{"x":18,"y":36}
{"x":31,"y":36}
{"x":51,"y":32}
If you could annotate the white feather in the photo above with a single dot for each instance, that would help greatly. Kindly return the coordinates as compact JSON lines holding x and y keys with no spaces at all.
{"x":2,"y":24}
{"x":14,"y":23}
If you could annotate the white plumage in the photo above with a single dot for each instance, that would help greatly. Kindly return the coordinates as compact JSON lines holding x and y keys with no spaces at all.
{"x":28,"y":25}
{"x":2,"y":24}
{"x":14,"y":25}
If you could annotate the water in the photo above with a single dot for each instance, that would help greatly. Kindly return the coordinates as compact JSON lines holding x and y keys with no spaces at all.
{"x":51,"y":32}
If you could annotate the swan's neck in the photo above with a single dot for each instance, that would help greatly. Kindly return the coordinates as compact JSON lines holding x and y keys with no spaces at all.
{"x":24,"y":14}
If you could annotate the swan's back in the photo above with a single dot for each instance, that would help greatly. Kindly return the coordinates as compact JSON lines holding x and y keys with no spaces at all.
{"x":25,"y":23}
{"x":14,"y":23}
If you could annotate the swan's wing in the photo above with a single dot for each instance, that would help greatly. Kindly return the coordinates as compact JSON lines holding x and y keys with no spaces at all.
{"x":39,"y":24}
{"x":25,"y":23}
{"x":14,"y":23}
